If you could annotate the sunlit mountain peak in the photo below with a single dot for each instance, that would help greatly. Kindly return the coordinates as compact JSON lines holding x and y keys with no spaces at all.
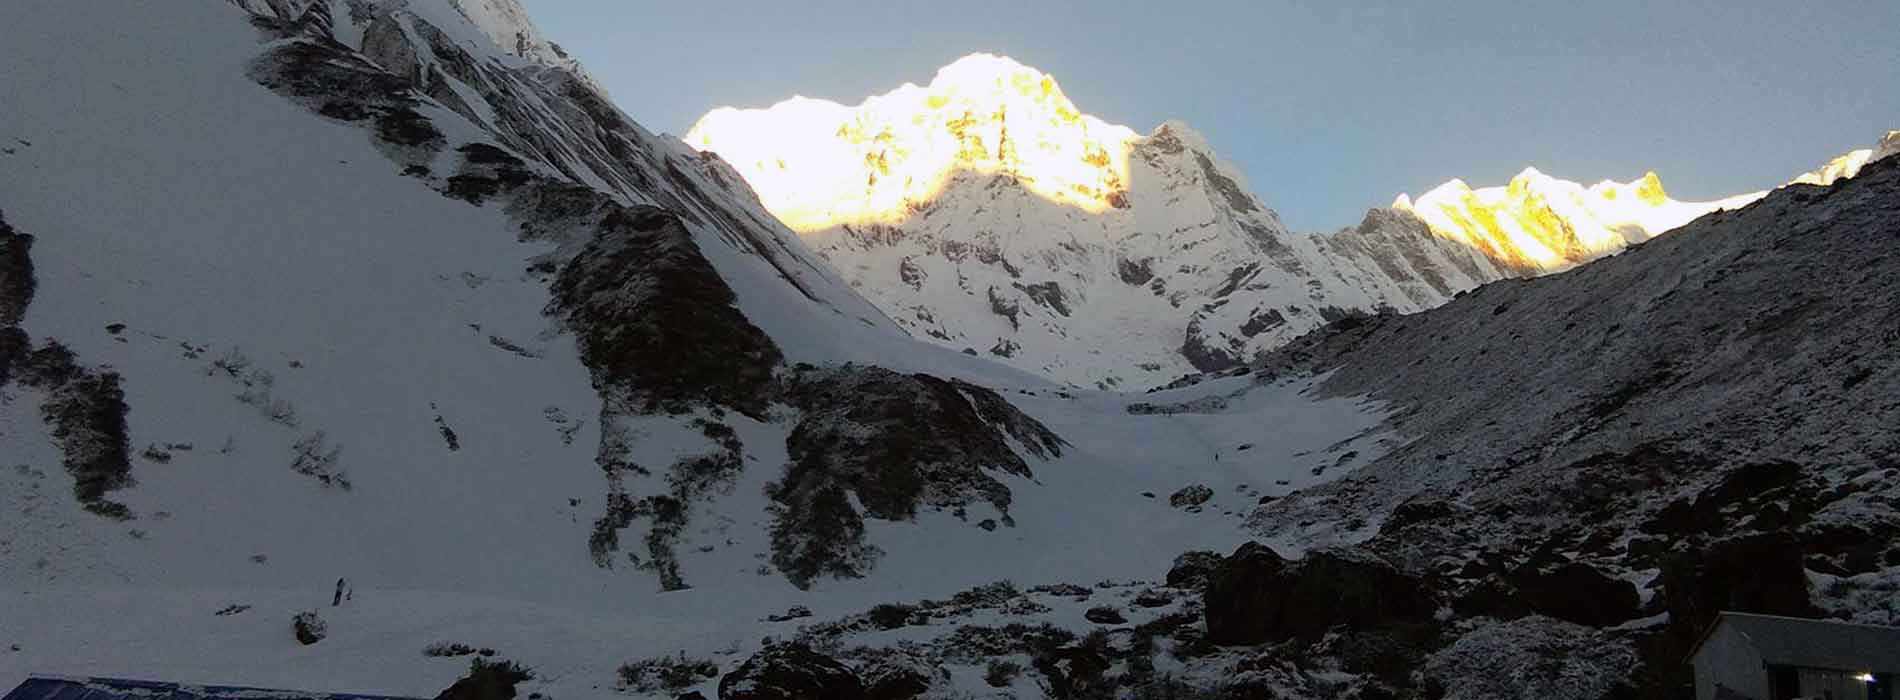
{"x":1539,"y":223}
{"x":817,"y":164}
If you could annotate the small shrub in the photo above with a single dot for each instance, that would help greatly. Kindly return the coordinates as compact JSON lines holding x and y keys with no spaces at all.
{"x":666,"y":673}
{"x":313,"y":457}
{"x":232,"y":363}
{"x":1001,"y":673}
{"x":504,"y":669}
{"x":442,"y":649}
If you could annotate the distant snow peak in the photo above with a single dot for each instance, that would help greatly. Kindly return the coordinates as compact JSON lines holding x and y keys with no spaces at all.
{"x":817,"y":164}
{"x":1849,"y":164}
{"x":1538,"y":223}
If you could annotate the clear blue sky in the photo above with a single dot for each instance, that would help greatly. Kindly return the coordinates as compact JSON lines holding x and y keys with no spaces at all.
{"x":1327,"y":110}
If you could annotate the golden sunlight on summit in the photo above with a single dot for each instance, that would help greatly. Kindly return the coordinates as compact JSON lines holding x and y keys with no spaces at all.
{"x":817,"y":164}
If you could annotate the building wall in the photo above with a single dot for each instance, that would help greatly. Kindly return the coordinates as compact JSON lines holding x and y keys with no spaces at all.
{"x":1727,"y":659}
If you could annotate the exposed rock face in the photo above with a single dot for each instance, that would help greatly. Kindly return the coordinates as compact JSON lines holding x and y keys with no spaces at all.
{"x":1256,"y":596}
{"x":1756,"y":574}
{"x":638,"y":293}
{"x":487,"y":680}
{"x":84,"y":406}
{"x":899,"y":676}
{"x":1577,"y":593}
{"x":16,"y":274}
{"x":791,"y":672}
{"x":1074,"y":672}
{"x":896,"y":443}
{"x":1192,"y":569}
{"x":1104,"y":615}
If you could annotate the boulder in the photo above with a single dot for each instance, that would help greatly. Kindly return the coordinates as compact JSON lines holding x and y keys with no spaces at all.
{"x":1761,"y":573}
{"x":1576,"y":592}
{"x":791,"y":671}
{"x":308,"y":627}
{"x":1257,"y":596}
{"x":898,"y":675}
{"x":1191,"y":569}
{"x":1153,"y":599}
{"x":1190,"y":495}
{"x":487,"y":681}
{"x":1074,"y":672}
{"x":1104,"y":615}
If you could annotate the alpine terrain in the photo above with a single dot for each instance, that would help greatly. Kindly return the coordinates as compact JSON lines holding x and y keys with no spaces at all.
{"x":984,"y":212}
{"x":368,"y":346}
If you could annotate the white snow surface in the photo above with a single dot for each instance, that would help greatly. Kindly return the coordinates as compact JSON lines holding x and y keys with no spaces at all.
{"x":170,"y":193}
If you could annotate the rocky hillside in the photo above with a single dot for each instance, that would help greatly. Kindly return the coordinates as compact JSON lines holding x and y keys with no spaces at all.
{"x":985,"y":212}
{"x":1723,"y":439}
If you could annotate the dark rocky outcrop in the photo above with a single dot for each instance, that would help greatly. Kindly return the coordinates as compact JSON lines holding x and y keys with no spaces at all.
{"x":898,"y":442}
{"x":1135,"y":272}
{"x":1048,"y":294}
{"x":897,"y":675}
{"x":1577,"y":592}
{"x":1190,"y":496}
{"x":16,"y":275}
{"x":791,"y":672}
{"x":1757,"y":573}
{"x":84,"y":406}
{"x":1257,"y":596}
{"x":639,"y":292}
{"x":308,"y":627}
{"x":1208,"y":351}
{"x":487,"y":680}
{"x":1192,"y":569}
{"x":1074,"y":672}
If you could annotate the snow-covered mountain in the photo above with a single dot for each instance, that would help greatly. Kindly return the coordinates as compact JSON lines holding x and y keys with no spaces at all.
{"x":985,"y":212}
{"x":1849,"y":164}
{"x":312,"y":289}
{"x":300,"y":290}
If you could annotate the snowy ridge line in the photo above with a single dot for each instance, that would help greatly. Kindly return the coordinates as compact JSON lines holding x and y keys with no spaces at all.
{"x":986,"y":213}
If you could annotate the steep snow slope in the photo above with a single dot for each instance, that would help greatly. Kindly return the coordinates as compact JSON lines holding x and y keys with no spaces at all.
{"x":985,"y":212}
{"x":422,"y":313}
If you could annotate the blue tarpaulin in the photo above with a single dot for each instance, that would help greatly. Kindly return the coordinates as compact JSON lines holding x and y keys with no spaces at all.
{"x":53,"y":688}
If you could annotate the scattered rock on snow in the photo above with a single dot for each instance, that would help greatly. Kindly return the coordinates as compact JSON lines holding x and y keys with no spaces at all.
{"x":791,"y":671}
{"x":309,"y":627}
{"x":1191,"y":495}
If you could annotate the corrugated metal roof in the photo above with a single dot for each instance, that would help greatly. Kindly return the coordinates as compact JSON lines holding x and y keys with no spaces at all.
{"x":53,"y":688}
{"x":1793,"y":641}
